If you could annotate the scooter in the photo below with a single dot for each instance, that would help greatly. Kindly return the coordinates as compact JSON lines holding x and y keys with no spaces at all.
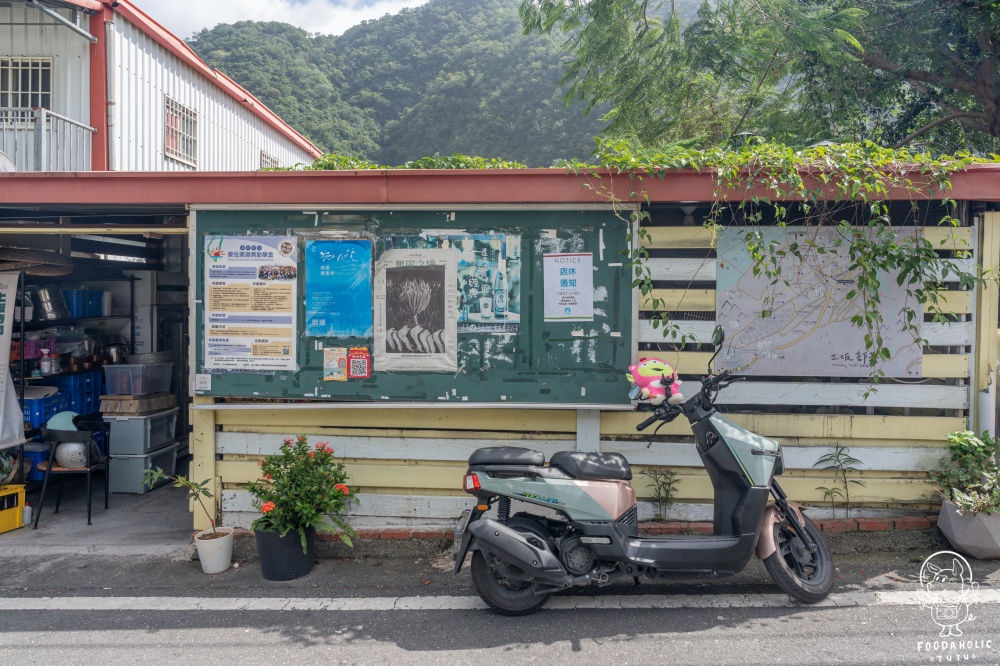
{"x":589,"y":534}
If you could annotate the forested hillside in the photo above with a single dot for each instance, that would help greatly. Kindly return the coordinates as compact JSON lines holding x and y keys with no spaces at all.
{"x":449,"y":76}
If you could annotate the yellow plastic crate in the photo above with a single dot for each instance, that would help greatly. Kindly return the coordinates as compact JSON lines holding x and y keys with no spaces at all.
{"x":11,"y":507}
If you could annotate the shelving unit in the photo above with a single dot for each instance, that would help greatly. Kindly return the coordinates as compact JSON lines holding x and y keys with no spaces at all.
{"x":18,"y":368}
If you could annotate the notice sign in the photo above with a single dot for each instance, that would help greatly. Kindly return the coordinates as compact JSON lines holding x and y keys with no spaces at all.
{"x":569,"y":287}
{"x":250,"y":297}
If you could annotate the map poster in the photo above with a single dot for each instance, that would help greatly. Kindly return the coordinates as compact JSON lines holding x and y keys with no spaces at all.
{"x":804,"y":328}
{"x":569,"y":287}
{"x":416,"y":314}
{"x":338,"y":288}
{"x":250,"y":297}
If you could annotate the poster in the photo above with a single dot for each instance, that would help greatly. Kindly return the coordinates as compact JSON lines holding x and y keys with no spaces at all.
{"x":335,"y":364}
{"x":569,"y":286}
{"x":338,"y":288}
{"x":250,"y":297}
{"x":489,"y":281}
{"x":416,"y":314}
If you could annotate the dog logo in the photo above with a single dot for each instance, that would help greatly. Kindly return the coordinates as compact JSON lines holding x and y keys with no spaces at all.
{"x":948,"y":590}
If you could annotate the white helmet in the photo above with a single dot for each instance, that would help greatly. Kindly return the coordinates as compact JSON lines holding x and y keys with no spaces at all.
{"x":74,"y":454}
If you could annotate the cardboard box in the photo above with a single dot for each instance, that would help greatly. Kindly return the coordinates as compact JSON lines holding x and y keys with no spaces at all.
{"x":137,"y":405}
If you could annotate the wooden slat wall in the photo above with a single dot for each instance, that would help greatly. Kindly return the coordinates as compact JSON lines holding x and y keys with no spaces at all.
{"x":408,"y":463}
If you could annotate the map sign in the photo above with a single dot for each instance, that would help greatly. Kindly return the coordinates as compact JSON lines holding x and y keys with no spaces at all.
{"x":804,"y":328}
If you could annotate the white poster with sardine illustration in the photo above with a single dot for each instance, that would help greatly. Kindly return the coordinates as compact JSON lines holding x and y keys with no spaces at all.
{"x":416,"y":318}
{"x":250,"y":296}
{"x":803,"y":328}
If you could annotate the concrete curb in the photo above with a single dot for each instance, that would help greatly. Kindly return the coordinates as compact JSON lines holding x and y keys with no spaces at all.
{"x":844,"y":536}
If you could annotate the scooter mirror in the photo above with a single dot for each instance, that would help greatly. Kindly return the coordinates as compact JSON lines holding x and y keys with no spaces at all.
{"x":718,"y":336}
{"x":634,"y":392}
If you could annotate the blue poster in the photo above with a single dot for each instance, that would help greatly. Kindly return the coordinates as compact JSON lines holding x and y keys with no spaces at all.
{"x":339,"y":288}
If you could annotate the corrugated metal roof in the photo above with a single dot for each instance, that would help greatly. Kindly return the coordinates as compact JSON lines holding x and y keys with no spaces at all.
{"x":178,"y":48}
{"x":89,"y":6}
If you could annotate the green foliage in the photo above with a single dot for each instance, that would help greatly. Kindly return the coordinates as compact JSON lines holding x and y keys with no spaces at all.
{"x":793,"y":71}
{"x":450,"y":76}
{"x":303,"y":487}
{"x":335,"y":162}
{"x":841,"y":185}
{"x":970,"y":478}
{"x":840,"y":461}
{"x":195,"y":491}
{"x":664,"y":486}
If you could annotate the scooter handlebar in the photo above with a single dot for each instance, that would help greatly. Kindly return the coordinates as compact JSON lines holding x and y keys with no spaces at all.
{"x":648,"y":422}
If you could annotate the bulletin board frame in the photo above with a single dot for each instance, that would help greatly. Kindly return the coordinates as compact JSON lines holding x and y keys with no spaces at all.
{"x":580,"y":363}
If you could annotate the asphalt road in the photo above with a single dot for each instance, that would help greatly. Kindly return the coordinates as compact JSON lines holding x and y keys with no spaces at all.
{"x":718,"y":622}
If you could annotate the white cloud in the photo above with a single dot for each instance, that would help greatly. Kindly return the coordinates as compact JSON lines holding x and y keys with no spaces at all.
{"x":185,"y":17}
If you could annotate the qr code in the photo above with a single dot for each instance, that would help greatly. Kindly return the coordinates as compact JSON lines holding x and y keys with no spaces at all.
{"x":286,"y":351}
{"x":359,"y":367}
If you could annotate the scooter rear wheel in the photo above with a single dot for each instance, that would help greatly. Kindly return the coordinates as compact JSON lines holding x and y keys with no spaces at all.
{"x":507,"y":596}
{"x":805,"y":575}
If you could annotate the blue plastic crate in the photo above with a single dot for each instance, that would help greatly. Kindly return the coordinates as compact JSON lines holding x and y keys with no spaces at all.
{"x":76,"y":302}
{"x":78,"y":402}
{"x":36,"y":411}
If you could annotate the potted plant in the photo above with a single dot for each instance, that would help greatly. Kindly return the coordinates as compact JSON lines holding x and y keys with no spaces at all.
{"x":215,"y":545}
{"x":970,"y":487}
{"x":301,"y":490}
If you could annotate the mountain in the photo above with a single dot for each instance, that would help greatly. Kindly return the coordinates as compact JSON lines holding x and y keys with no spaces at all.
{"x":451,"y":76}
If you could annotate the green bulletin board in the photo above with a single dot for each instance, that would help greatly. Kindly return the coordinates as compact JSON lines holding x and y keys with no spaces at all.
{"x":460,"y":295}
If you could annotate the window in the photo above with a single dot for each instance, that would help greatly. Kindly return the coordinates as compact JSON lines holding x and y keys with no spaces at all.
{"x":268,"y":162}
{"x":180,"y":133}
{"x":26,"y":82}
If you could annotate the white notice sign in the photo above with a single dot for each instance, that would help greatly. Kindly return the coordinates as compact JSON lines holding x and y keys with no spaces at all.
{"x":569,"y":286}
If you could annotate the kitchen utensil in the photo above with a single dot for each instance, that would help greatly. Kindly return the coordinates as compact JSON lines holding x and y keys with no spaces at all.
{"x":48,"y":301}
{"x":116,"y":352}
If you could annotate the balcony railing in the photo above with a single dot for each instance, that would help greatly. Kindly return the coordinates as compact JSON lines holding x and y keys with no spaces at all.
{"x":40,"y":140}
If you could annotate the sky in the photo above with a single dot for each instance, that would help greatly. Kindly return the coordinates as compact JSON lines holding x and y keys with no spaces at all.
{"x":186,"y":17}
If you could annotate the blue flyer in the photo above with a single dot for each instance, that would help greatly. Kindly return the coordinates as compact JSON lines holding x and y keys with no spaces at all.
{"x":339,"y":288}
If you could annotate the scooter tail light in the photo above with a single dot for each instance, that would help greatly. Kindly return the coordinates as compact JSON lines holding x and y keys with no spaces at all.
{"x":471,"y":483}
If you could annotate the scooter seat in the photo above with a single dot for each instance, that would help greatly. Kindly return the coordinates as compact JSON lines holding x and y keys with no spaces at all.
{"x":582,"y":465}
{"x":506,"y":455}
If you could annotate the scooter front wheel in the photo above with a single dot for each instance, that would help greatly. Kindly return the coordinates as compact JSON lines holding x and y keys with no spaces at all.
{"x":806,"y":575}
{"x":507,"y":596}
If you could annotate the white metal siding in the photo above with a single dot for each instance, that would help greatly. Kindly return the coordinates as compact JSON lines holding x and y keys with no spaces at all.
{"x":27,"y":32}
{"x":230,"y":137}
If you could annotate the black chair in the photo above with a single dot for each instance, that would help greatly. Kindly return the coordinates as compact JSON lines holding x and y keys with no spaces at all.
{"x":95,"y":460}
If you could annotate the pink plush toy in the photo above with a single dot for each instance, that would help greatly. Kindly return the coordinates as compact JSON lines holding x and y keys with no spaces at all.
{"x":649,"y":375}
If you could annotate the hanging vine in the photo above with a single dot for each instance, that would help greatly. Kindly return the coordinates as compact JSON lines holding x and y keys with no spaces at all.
{"x":846,"y":187}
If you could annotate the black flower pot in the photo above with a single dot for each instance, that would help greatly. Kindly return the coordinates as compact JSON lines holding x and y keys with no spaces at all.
{"x":281,"y":557}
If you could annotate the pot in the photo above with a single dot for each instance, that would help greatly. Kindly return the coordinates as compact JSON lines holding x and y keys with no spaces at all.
{"x":281,"y":557}
{"x":116,"y":352}
{"x":975,"y":534}
{"x":49,"y":303}
{"x":215,"y":550}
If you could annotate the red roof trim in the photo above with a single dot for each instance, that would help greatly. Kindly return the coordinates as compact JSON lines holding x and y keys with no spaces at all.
{"x":177,"y":47}
{"x":442,"y":188}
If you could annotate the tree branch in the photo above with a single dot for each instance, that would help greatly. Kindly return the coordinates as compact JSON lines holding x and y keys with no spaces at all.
{"x":939,"y":121}
{"x":911,"y":74}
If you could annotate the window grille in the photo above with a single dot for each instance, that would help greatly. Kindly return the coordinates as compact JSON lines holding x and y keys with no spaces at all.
{"x":26,"y":82}
{"x":180,"y":133}
{"x":268,"y":162}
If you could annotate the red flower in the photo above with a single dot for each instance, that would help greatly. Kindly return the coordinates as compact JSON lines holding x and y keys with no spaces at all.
{"x":267,"y":477}
{"x":260,"y":463}
{"x":342,"y":488}
{"x":267,"y":507}
{"x":312,"y":454}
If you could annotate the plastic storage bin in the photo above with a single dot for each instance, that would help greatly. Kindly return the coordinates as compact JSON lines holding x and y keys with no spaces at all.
{"x":137,"y":379}
{"x":39,"y":410}
{"x":127,"y":471}
{"x":138,"y":435}
{"x":35,"y":452}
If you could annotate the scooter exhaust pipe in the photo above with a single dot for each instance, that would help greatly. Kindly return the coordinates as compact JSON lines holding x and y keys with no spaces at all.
{"x":538,"y":563}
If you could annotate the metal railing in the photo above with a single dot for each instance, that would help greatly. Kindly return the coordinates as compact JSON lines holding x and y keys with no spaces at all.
{"x":40,"y":140}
